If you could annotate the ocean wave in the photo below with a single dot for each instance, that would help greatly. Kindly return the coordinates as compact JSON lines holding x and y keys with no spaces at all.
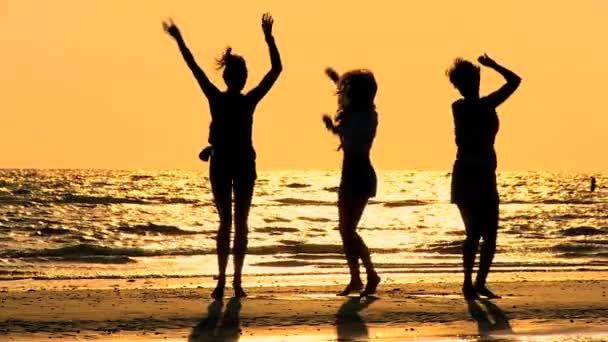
{"x":579,"y":248}
{"x":297,"y":185}
{"x":275,"y":219}
{"x":302,"y":201}
{"x":94,"y":200}
{"x":47,"y":231}
{"x":141,"y":177}
{"x":277,"y":230}
{"x":314,"y":219}
{"x":284,"y":263}
{"x":601,"y":255}
{"x":444,"y":247}
{"x":390,"y":204}
{"x":151,"y":228}
{"x":554,"y":201}
{"x":85,"y":249}
{"x":584,"y":231}
{"x":86,"y":259}
{"x":405,"y":203}
{"x":15,"y":200}
{"x":299,"y":248}
{"x":81,"y":199}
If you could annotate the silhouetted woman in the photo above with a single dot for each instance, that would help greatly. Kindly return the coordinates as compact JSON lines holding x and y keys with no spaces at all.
{"x":474,"y":174}
{"x":355,"y":123}
{"x":232,"y":164}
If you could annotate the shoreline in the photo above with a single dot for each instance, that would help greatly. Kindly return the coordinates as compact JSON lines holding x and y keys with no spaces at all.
{"x":178,"y":310}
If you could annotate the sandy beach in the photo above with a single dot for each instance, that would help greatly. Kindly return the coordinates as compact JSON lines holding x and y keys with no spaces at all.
{"x":571,"y":306}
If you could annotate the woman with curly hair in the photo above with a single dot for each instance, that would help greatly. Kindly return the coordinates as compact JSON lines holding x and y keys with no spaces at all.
{"x":355,"y":124}
{"x":231,"y":152}
{"x":474,"y":188}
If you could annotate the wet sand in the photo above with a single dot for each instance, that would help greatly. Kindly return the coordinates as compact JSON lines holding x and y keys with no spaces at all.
{"x":180,"y":310}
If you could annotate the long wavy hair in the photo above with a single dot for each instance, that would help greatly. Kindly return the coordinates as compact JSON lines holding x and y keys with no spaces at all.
{"x":356,"y":90}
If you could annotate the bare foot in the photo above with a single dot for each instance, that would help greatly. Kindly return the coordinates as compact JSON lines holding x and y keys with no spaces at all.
{"x":484,"y":291}
{"x":469,"y":292}
{"x":238,"y":291}
{"x":371,"y":286}
{"x":353,"y":286}
{"x":218,"y":293}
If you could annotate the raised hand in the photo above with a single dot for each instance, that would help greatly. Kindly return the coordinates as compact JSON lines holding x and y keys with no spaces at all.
{"x":329,"y":123}
{"x":171,"y":29}
{"x":267,"y":22}
{"x":332,"y":74}
{"x":485,"y":60}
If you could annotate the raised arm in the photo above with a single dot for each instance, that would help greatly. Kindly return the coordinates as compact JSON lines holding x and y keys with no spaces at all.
{"x":208,"y":88}
{"x":261,"y":89}
{"x":504,"y":92}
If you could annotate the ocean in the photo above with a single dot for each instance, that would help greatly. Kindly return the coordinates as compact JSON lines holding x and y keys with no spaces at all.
{"x":88,"y":224}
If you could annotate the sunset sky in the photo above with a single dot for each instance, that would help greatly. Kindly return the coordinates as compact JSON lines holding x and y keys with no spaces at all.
{"x":98,"y":84}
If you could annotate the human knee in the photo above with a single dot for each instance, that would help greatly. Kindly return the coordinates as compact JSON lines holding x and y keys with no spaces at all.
{"x":240,"y":245}
{"x":223,"y":234}
{"x":489,"y":235}
{"x":348,"y":236}
{"x":489,"y":240}
{"x":472,"y":238}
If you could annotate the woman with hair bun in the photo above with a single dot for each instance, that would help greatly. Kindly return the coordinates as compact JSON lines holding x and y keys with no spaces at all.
{"x":231,"y":152}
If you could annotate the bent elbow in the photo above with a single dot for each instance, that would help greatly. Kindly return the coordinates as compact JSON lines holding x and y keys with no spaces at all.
{"x":277,"y":68}
{"x":516,"y":80}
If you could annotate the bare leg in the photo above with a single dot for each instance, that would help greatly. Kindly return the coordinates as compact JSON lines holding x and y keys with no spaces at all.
{"x":243,"y":192}
{"x":347,"y":233}
{"x":469,"y":250}
{"x":361,"y":249}
{"x":488,"y":249}
{"x":354,"y":247}
{"x":222,"y":193}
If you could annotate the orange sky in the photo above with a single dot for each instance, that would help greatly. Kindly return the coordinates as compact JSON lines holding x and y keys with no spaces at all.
{"x":98,"y":84}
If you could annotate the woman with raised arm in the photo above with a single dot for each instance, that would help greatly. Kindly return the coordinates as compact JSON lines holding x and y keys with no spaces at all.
{"x":355,"y":124}
{"x":232,"y":164}
{"x":474,"y":175}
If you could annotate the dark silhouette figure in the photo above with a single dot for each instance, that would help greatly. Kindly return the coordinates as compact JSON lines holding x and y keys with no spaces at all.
{"x":489,"y":321}
{"x":474,"y":173}
{"x":355,"y":124}
{"x":593,"y":184}
{"x":349,"y":325}
{"x":232,"y":164}
{"x":214,"y":327}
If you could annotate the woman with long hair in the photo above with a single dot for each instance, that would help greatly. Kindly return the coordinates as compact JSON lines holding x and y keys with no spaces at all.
{"x":355,"y":124}
{"x":231,"y":152}
{"x":474,"y":188}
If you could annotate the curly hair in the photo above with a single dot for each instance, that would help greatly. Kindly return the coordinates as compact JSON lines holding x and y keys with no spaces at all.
{"x":357,"y":90}
{"x":462,"y":73}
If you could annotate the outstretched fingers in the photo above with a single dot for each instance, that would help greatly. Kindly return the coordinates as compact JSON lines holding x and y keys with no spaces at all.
{"x":170,"y":28}
{"x":267,"y":22}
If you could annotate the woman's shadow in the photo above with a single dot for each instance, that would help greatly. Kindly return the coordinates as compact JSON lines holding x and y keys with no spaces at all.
{"x":218,"y":327}
{"x":349,"y":325}
{"x":491,"y":321}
